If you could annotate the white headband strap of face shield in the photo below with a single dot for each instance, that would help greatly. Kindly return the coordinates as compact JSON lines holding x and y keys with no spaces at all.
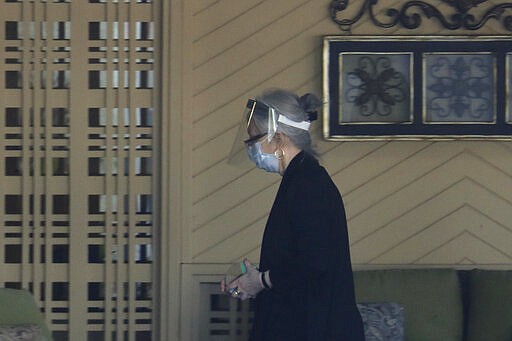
{"x":304,"y":125}
{"x":272,"y":123}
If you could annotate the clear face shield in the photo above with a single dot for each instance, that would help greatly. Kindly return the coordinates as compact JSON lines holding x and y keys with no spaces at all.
{"x":258,"y":121}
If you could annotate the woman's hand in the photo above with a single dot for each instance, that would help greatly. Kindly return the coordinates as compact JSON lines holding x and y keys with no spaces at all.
{"x":248,"y":285}
{"x":223,"y":286}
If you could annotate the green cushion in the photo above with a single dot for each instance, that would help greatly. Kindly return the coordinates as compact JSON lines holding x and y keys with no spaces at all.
{"x":431,"y":299}
{"x":19,"y":307}
{"x":490,"y":305}
{"x":21,"y":332}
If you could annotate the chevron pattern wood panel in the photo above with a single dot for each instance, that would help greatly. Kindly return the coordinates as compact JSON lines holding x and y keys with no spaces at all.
{"x":408,"y":203}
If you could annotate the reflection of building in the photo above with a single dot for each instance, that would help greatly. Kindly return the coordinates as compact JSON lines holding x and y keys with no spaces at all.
{"x":77,"y":155}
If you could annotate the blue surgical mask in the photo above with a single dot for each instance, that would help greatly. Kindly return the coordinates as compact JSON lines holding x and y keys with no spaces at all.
{"x":265,"y":161}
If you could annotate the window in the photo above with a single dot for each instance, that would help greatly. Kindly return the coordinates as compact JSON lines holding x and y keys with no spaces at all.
{"x":77,"y":153}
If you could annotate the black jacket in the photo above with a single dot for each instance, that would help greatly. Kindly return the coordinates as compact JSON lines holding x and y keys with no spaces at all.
{"x":305,"y":247}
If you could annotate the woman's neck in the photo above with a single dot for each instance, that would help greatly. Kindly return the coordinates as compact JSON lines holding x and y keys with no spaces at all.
{"x":289,"y":152}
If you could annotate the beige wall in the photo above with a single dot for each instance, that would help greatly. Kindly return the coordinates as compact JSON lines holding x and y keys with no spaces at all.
{"x":407,"y":202}
{"x":417,"y":203}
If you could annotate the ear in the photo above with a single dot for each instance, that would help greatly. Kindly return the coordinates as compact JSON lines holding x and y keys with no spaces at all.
{"x":278,"y":137}
{"x":281,"y":139}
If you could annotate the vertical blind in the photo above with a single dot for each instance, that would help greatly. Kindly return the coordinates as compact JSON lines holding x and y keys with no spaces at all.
{"x":77,"y":155}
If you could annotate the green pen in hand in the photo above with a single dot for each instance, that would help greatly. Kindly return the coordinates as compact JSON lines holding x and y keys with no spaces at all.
{"x":234,"y":272}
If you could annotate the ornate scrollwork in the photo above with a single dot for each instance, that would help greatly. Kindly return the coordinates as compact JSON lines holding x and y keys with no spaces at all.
{"x":409,"y":14}
{"x":460,"y":89}
{"x":375,"y":87}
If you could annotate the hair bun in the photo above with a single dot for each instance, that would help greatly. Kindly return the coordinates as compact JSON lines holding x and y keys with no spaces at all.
{"x":309,"y":102}
{"x":312,"y":116}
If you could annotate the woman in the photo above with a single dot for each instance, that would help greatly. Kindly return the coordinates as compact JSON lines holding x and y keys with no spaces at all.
{"x":303,"y":288}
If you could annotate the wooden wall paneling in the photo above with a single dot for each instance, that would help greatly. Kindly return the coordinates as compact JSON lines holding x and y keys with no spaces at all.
{"x":408,"y":203}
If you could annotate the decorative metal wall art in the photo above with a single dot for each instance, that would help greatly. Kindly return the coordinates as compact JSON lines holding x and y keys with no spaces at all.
{"x":409,"y":14}
{"x":405,"y":87}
